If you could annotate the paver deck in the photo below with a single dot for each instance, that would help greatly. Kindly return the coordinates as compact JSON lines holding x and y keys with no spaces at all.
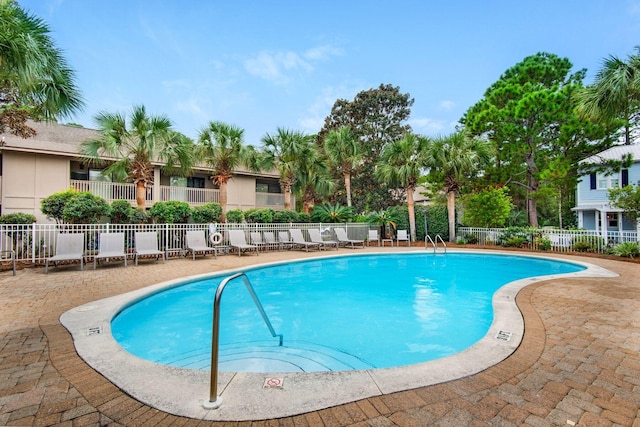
{"x":578,"y":363}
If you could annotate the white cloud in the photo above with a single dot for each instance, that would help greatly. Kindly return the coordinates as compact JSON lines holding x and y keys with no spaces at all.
{"x":447,"y":105}
{"x":320,"y":108}
{"x":276,"y":66}
{"x":428,"y":125}
{"x":281,"y":66}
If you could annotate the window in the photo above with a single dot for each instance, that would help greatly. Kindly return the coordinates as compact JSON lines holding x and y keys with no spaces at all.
{"x":267,"y":187}
{"x":97,"y":175}
{"x":608,"y":181}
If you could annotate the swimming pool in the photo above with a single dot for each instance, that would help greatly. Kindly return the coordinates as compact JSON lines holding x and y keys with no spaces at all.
{"x":339,"y":313}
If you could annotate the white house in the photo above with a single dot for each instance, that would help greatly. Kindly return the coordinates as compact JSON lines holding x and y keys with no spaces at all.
{"x":592,"y":196}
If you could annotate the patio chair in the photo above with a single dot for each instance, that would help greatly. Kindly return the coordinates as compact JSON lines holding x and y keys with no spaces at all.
{"x":373,"y":237}
{"x":146,"y":244}
{"x":402,"y":236}
{"x":238,"y":240}
{"x":69,"y":247}
{"x":110,"y":245}
{"x":316,"y":237}
{"x":10,"y":252}
{"x":284,"y":240}
{"x":255,"y":237}
{"x":342,"y":237}
{"x":196,"y":243}
{"x":299,"y":241}
{"x":270,"y":240}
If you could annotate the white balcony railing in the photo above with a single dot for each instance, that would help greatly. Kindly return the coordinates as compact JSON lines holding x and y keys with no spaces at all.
{"x":193,"y":196}
{"x":111,"y":191}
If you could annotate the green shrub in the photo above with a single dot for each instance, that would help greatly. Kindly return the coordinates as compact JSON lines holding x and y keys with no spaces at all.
{"x":587,"y":243}
{"x":121,"y":212}
{"x":139,"y":217}
{"x":85,"y":208}
{"x":53,"y":205}
{"x":627,"y":249}
{"x":471,"y":238}
{"x":259,"y":216}
{"x":506,"y":238}
{"x":235,"y":215}
{"x":489,"y":208}
{"x":515,"y":242}
{"x":170,"y":212}
{"x":542,"y":243}
{"x":209,"y":212}
{"x":284,"y":217}
{"x":332,"y":213}
{"x":17,"y":218}
{"x":304,"y":217}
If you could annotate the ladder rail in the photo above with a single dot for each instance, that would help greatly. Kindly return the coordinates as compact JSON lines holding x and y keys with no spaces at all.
{"x":214,"y":400}
{"x":428,"y":238}
{"x":443,"y":243}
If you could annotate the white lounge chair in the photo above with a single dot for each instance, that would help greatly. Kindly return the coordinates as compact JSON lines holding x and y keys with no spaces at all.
{"x":284,"y":240}
{"x":238,"y":240}
{"x":196,"y":243}
{"x":146,"y":244}
{"x":110,"y":245}
{"x":373,"y":237}
{"x":316,"y":237}
{"x":341,"y":235}
{"x":69,"y":247}
{"x":298,"y":240}
{"x":402,"y":236}
{"x":270,"y":240}
{"x":256,"y":239}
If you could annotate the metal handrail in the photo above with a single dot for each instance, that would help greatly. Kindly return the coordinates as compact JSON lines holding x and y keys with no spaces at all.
{"x":443,"y":243}
{"x":427,"y":237}
{"x":214,"y":400}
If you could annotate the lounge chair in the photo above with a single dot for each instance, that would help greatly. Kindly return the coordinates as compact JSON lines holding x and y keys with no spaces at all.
{"x":256,"y":239}
{"x":299,"y":241}
{"x":69,"y":247}
{"x":196,"y":243}
{"x":146,"y":243}
{"x":342,"y":237}
{"x":284,"y":240}
{"x":316,"y":237}
{"x":270,"y":240}
{"x":110,"y":245}
{"x":373,"y":237}
{"x":238,"y":240}
{"x":402,"y":236}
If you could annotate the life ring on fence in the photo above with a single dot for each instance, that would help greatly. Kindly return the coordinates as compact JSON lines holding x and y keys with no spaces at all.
{"x":215,"y":238}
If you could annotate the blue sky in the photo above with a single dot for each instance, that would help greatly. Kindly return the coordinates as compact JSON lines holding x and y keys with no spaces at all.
{"x":266,"y":64}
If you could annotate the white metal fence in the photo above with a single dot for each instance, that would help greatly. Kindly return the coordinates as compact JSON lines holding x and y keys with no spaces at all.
{"x":34,"y":243}
{"x":557,"y":240}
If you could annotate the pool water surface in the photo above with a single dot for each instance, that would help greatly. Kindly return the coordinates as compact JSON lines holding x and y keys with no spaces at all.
{"x":341,"y":313}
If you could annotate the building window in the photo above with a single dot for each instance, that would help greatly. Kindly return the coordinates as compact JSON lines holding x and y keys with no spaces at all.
{"x":267,"y":187}
{"x":97,"y":175}
{"x":608,"y":181}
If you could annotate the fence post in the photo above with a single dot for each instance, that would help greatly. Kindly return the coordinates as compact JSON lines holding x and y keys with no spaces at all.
{"x":33,"y":243}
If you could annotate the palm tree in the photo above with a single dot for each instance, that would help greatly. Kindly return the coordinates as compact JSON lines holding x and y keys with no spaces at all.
{"x":615,"y":93}
{"x":134,"y":148}
{"x":284,"y":151}
{"x":343,"y":150}
{"x":35,"y":80}
{"x":400,"y":164}
{"x":450,"y":160}
{"x":221,"y":147}
{"x":313,"y":180}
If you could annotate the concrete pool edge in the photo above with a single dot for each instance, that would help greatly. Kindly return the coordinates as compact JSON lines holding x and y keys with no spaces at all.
{"x":181,"y":391}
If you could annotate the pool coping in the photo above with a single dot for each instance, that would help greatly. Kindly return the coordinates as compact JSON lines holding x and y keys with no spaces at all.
{"x":182,"y":391}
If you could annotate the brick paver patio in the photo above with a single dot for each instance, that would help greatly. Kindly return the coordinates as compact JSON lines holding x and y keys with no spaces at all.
{"x":578,"y":364}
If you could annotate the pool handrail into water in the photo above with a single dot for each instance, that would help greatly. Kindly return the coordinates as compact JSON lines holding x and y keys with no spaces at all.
{"x":215,"y":401}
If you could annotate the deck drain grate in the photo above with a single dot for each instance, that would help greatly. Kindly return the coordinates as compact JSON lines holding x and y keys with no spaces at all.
{"x":96,"y":330}
{"x":504,"y":336}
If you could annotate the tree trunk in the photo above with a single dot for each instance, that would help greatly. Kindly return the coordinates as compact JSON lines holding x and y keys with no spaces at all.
{"x":451,"y":214}
{"x":347,"y":186}
{"x":141,"y":195}
{"x":223,"y":200}
{"x":287,"y":197}
{"x":412,"y":213}
{"x":532,"y":187}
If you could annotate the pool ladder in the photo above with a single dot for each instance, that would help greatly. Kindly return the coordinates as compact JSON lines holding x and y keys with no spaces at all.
{"x":435,"y":243}
{"x":215,"y":401}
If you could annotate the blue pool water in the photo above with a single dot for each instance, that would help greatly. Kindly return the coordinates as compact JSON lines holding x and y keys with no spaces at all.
{"x":342,"y":313}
